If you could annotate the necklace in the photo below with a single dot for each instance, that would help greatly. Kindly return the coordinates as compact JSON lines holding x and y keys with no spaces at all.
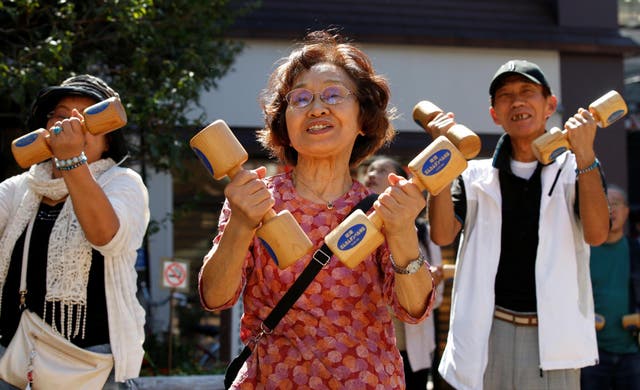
{"x":329,"y":203}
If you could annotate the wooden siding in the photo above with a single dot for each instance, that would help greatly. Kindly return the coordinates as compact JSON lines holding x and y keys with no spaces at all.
{"x":494,"y":23}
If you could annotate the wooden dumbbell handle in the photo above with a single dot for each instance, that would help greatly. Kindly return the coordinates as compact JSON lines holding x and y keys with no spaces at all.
{"x":437,"y":165}
{"x":467,"y":142}
{"x":600,"y":321}
{"x":631,"y":321}
{"x":356,"y":237}
{"x":448,"y":271}
{"x":271,"y":213}
{"x":424,"y":112}
{"x":222,"y":155}
{"x":608,"y":108}
{"x":100,"y":118}
{"x":375,"y":218}
{"x":605,"y":110}
{"x":359,"y":235}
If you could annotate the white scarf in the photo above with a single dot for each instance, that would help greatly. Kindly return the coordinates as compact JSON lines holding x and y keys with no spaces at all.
{"x":68,"y":254}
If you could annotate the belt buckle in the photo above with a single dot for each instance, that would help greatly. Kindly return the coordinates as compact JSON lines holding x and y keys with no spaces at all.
{"x":518,"y":320}
{"x":515,"y":319}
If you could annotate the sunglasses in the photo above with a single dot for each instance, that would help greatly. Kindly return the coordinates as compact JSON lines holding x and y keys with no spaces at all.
{"x":332,"y":95}
{"x":58,"y":116}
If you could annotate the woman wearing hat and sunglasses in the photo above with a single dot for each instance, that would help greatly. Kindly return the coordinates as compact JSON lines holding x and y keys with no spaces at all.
{"x":84,"y":217}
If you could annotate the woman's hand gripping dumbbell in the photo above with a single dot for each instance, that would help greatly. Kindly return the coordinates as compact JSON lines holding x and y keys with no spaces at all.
{"x":360,"y":234}
{"x":223,"y":155}
{"x":100,"y":118}
{"x":467,"y":142}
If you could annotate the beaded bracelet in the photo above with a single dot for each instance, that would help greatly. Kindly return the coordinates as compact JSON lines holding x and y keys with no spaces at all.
{"x":595,"y":164}
{"x":72,"y":163}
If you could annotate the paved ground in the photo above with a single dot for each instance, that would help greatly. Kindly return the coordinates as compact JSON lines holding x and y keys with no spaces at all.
{"x":194,"y":382}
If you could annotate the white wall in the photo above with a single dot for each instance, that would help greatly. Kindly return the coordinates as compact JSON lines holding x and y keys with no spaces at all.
{"x":455,"y":79}
{"x":160,"y":187}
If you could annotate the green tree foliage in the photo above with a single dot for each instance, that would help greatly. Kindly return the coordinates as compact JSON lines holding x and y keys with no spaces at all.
{"x":158,"y":54}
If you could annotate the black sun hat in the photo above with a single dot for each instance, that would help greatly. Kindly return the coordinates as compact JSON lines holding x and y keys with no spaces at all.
{"x":81,"y":85}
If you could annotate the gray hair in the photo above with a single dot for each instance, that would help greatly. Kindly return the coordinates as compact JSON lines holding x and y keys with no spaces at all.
{"x":620,"y":190}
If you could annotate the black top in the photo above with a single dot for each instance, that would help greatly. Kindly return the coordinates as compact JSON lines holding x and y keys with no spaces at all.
{"x":515,"y":284}
{"x":97,"y":327}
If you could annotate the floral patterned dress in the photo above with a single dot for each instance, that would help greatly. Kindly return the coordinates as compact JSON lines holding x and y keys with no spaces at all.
{"x":339,"y":334}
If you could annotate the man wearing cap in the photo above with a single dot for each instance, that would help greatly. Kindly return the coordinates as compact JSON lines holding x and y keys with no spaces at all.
{"x":522,"y":312}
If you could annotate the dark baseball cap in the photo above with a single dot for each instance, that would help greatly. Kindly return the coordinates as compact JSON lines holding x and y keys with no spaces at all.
{"x":518,"y":67}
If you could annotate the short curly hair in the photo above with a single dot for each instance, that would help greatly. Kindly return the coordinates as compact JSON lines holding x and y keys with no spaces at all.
{"x":372,"y":92}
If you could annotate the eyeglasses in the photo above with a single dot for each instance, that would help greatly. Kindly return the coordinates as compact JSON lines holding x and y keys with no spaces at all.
{"x":617,"y":204}
{"x":332,"y":95}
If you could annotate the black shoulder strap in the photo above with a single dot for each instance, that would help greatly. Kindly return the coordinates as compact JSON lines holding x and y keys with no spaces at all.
{"x":320,"y":258}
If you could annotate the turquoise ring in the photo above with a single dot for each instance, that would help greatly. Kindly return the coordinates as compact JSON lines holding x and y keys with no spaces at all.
{"x":56,"y":130}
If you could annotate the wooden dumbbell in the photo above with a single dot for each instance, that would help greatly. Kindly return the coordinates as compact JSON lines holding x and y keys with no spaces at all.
{"x":100,"y":118}
{"x":631,"y":321}
{"x":606,"y":110}
{"x":223,"y":155}
{"x":359,"y":235}
{"x":448,"y":271}
{"x":461,"y":136}
{"x":600,"y":321}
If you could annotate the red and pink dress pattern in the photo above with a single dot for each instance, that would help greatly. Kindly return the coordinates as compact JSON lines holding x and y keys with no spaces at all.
{"x":339,"y":334}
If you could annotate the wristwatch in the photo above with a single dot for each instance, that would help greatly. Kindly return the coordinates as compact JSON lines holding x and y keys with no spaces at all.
{"x":411,"y":268}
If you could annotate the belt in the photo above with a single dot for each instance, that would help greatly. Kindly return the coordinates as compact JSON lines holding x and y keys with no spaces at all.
{"x":518,"y":319}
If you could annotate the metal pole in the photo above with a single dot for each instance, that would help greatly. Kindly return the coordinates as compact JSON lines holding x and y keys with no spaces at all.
{"x":169,"y":357}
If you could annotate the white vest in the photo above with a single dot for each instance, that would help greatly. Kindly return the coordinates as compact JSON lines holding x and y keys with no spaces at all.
{"x":567,"y":337}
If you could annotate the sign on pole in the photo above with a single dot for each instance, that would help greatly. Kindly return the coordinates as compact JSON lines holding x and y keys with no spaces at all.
{"x":175,"y":274}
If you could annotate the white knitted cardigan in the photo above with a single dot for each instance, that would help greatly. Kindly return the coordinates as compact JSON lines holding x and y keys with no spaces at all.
{"x":69,"y":253}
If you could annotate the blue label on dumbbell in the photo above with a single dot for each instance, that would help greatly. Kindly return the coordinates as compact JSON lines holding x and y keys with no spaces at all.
{"x":615,"y":116}
{"x":352,"y":237}
{"x":97,"y":108}
{"x":557,"y":153}
{"x":271,"y":252}
{"x":436,"y":162}
{"x":26,"y":140}
{"x":204,"y":160}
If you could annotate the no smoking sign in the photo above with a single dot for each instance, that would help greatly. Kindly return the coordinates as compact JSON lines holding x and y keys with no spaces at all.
{"x":175,"y":274}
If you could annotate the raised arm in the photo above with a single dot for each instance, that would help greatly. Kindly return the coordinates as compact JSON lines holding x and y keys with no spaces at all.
{"x":593,"y":206}
{"x":221,"y":274}
{"x":402,"y":202}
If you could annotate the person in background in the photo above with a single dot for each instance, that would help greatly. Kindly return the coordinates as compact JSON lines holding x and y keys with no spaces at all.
{"x":416,"y":342}
{"x":615,"y":276}
{"x":89,"y":217}
{"x":634,"y":222}
{"x":522,"y":311}
{"x":325,"y":112}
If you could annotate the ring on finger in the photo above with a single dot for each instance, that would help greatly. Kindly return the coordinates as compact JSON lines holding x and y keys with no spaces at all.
{"x":56,"y":130}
